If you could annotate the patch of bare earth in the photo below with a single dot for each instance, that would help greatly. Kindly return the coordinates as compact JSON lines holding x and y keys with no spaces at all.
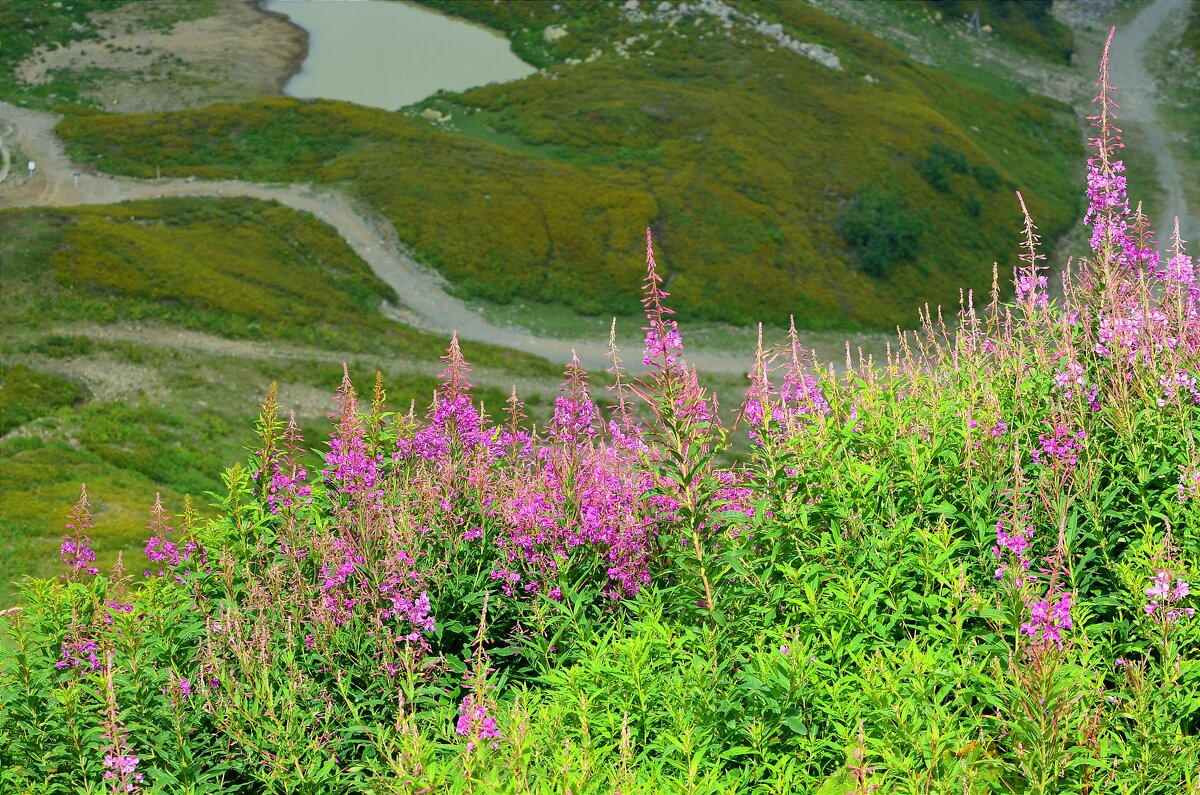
{"x":236,"y":53}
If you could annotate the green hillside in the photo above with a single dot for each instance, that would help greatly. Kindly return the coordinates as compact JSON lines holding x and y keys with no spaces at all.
{"x":754,"y":164}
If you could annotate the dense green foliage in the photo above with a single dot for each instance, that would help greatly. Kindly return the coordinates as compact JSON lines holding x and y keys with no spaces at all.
{"x":738,"y":152}
{"x":967,"y":570}
{"x":883,"y":229}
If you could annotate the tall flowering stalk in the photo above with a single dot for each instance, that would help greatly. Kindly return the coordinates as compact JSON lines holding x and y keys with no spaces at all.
{"x":350,"y":469}
{"x":120,"y":761}
{"x":1108,"y":207}
{"x":76,"y":549}
{"x":476,"y":714}
{"x":1031,"y":284}
{"x":685,"y":428}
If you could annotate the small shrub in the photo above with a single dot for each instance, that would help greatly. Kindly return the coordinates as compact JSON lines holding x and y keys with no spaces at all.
{"x":940,"y":163}
{"x":882,"y":229}
{"x":27,"y":394}
{"x":987,"y":177}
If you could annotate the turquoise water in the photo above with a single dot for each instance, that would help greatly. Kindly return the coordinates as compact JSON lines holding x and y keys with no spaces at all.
{"x":388,"y":54}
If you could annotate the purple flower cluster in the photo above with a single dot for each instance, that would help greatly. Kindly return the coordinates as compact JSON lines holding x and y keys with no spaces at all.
{"x":1012,"y":542}
{"x":350,"y":468}
{"x":1048,"y":619}
{"x":1189,"y":483}
{"x":120,"y":762}
{"x":1031,"y":289}
{"x":77,"y":652}
{"x":1181,"y":271}
{"x":1162,"y":596}
{"x":1180,"y":384}
{"x":476,"y":724}
{"x":165,"y":552}
{"x":340,"y":581}
{"x":1060,"y":447}
{"x":664,"y":344}
{"x":76,"y":550}
{"x":567,"y":495}
{"x":1072,"y":382}
{"x":414,"y":608}
{"x":798,"y":399}
{"x":121,"y":770}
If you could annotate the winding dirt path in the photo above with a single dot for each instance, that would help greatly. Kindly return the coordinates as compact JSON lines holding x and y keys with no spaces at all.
{"x":425,"y":301}
{"x":1137,"y":95}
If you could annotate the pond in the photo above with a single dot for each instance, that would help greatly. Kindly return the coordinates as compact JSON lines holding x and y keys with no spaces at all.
{"x":389,"y":54}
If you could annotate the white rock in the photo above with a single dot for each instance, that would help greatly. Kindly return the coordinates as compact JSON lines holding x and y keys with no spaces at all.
{"x":553,"y":33}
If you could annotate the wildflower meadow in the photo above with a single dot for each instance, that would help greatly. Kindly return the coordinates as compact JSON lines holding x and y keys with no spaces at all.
{"x":965,"y":569}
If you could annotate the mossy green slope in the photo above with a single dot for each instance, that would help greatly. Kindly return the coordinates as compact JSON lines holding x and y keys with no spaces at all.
{"x":741,"y":154}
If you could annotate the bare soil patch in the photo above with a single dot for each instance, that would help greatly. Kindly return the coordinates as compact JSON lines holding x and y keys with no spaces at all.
{"x":235,"y":52}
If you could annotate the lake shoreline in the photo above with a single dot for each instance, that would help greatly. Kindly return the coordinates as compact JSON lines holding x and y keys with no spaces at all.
{"x":296,"y":62}
{"x":390,"y":55}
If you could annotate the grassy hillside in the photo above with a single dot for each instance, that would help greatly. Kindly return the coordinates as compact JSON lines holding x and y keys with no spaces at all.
{"x":754,"y":164}
{"x":1028,"y":23}
{"x":138,"y":337}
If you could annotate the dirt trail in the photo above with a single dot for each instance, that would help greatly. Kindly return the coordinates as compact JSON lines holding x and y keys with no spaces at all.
{"x":1137,"y":95}
{"x":425,"y":301}
{"x":5,"y":155}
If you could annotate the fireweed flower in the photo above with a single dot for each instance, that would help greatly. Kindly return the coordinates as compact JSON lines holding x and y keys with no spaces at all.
{"x":1012,"y":542}
{"x":574,"y":413}
{"x":1061,"y":446}
{"x":1031,"y":286}
{"x":78,"y":652}
{"x":350,"y":468}
{"x":288,"y":486}
{"x":340,"y":580}
{"x":1183,"y":384}
{"x":476,"y":724}
{"x":120,"y":762}
{"x":1108,"y":206}
{"x":1048,"y":619}
{"x":407,"y":602}
{"x":1189,"y":483}
{"x":165,"y":552}
{"x":663,"y":348}
{"x":76,"y":550}
{"x":1162,"y":595}
{"x":1032,"y":289}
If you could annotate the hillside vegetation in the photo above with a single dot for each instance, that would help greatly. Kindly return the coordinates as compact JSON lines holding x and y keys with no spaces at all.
{"x":966,"y":570}
{"x":1028,"y":23}
{"x":747,"y":158}
{"x":137,"y":335}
